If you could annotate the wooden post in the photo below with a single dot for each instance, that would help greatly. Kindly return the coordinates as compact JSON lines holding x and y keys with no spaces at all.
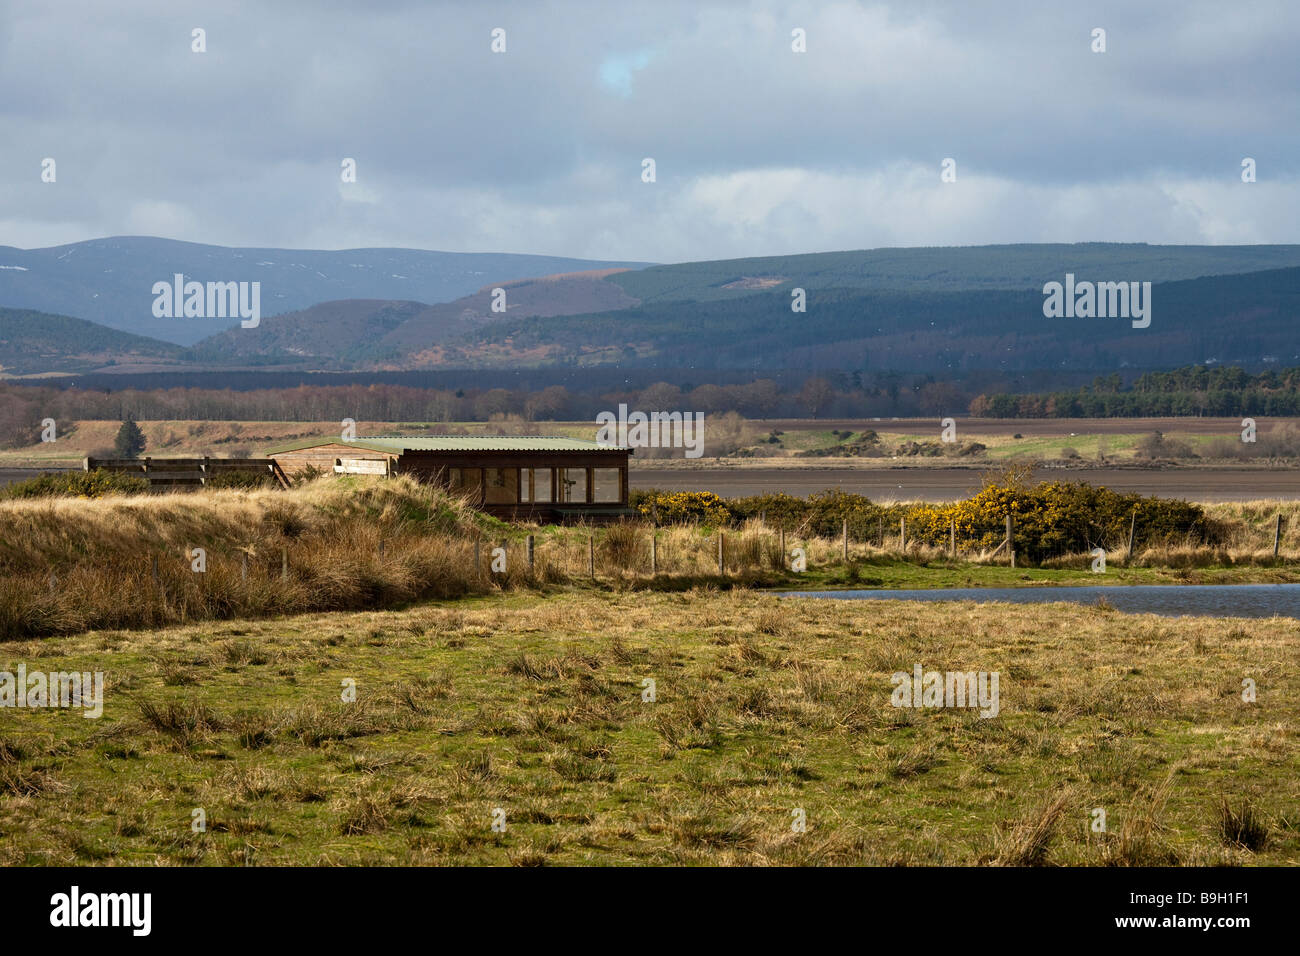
{"x":591,"y":555}
{"x":880,"y":531}
{"x":243,"y":567}
{"x":722,"y":544}
{"x":284,"y":564}
{"x":952,"y":537}
{"x":529,"y":548}
{"x":155,"y":570}
{"x":1011,"y":544}
{"x":783,"y":547}
{"x":654,"y":552}
{"x":1132,"y":527}
{"x":846,"y":540}
{"x":1277,"y":533}
{"x":902,"y":533}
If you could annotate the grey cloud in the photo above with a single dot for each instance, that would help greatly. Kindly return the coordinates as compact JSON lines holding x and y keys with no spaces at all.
{"x":531,"y":151}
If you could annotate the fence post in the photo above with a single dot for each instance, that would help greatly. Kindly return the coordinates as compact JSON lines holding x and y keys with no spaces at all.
{"x":530,"y":547}
{"x":952,"y":537}
{"x":880,"y":531}
{"x":654,"y":553}
{"x":284,"y":564}
{"x":1132,"y":527}
{"x":591,"y":555}
{"x":902,"y":533}
{"x":1011,"y":544}
{"x":722,"y":544}
{"x":783,"y":547}
{"x":846,"y":540}
{"x":155,"y":570}
{"x":243,"y":567}
{"x":1277,"y":533}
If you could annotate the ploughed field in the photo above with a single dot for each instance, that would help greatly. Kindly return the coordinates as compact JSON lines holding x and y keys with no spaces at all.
{"x":532,"y":712}
{"x":1032,"y":427}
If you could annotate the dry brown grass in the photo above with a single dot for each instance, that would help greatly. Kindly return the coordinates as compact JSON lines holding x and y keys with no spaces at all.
{"x":68,"y":565}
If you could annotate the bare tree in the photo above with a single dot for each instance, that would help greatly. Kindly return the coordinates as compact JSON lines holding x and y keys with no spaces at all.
{"x":815,"y":395}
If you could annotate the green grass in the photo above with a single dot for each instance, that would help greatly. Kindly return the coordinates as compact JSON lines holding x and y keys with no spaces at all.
{"x":533,"y":704}
{"x":894,"y":573}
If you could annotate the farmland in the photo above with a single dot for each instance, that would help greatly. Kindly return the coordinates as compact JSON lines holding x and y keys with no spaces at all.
{"x":792,"y":442}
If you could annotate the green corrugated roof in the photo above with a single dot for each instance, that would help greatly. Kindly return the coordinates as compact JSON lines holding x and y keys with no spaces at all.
{"x":400,"y":443}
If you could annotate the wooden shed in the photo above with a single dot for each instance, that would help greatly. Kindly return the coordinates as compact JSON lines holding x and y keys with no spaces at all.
{"x":532,"y":478}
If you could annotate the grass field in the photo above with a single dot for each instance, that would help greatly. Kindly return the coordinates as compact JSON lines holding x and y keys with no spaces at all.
{"x":1114,"y":440}
{"x":533,"y":704}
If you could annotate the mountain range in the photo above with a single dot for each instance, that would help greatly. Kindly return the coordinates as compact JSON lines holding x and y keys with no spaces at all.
{"x":932,"y":310}
{"x":109,"y":281}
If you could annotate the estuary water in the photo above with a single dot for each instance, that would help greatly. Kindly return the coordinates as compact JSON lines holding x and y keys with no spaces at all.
{"x":1172,"y":600}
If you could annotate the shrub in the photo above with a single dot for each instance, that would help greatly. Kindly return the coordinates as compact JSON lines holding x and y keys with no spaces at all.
{"x":777,"y":509}
{"x":827,"y":511}
{"x":1156,"y":445}
{"x":1058,"y":517}
{"x":77,"y":484}
{"x":683,"y":507}
{"x":241,"y":479}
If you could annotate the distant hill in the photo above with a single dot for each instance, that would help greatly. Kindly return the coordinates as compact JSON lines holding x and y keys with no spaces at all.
{"x":109,"y":281}
{"x":36,"y":342}
{"x":396,"y":335}
{"x":1247,"y":319}
{"x":933,"y":311}
{"x":948,"y":269}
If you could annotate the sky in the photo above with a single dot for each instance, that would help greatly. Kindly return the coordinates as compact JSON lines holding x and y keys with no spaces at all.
{"x":758,"y":149}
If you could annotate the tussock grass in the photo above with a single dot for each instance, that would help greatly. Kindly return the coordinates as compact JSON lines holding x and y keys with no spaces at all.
{"x":317,"y":547}
{"x":1242,"y":825}
{"x":532,"y":704}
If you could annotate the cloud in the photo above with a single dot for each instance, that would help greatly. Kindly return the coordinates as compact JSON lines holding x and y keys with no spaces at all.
{"x":759,"y":150}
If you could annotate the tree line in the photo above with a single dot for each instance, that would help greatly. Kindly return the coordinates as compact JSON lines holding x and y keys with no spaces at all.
{"x":24,"y":407}
{"x":1194,"y":390}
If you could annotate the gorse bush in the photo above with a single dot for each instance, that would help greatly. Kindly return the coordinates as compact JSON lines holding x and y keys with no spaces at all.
{"x":1055,"y":518}
{"x":682,"y":507}
{"x":1052,"y":518}
{"x":77,"y":484}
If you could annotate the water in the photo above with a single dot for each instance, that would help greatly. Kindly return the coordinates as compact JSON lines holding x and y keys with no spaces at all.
{"x":1171,"y":600}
